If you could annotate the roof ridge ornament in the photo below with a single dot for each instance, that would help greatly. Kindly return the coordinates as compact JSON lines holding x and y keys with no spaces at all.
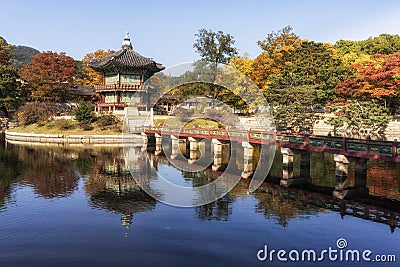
{"x":126,"y":43}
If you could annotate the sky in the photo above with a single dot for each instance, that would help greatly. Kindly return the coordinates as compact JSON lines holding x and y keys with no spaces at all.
{"x":165,"y":30}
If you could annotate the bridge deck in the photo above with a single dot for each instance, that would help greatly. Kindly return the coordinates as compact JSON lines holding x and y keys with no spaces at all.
{"x":360,"y":148}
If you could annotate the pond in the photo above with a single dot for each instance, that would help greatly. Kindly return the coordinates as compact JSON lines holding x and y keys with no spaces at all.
{"x":81,"y":207}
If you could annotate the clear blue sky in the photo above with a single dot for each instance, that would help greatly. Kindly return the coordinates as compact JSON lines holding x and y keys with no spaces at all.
{"x":164,"y":30}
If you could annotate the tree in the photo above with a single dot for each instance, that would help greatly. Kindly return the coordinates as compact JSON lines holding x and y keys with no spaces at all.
{"x":383,"y":44}
{"x":277,"y":48}
{"x":293,"y":108}
{"x":356,"y":115}
{"x":84,"y":112}
{"x":10,"y":95}
{"x":377,"y":78}
{"x":215,"y":48}
{"x":5,"y":52}
{"x":313,"y":64}
{"x":281,"y":44}
{"x":90,"y":77}
{"x":49,"y":76}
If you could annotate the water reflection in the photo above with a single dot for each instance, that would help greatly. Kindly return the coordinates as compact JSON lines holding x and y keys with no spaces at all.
{"x":109,"y":185}
{"x":281,"y":207}
{"x":50,"y":171}
{"x":9,"y":174}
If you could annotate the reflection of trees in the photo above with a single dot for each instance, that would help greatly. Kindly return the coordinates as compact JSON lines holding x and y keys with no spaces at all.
{"x":49,"y":171}
{"x":281,"y":207}
{"x":384,"y":179}
{"x":9,"y":171}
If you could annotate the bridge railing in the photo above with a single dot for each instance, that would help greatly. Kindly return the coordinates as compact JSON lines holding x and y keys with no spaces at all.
{"x":387,"y":148}
{"x":324,"y":143}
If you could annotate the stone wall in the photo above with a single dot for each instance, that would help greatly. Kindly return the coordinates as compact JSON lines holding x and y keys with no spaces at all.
{"x":73,"y":140}
{"x":391,"y":132}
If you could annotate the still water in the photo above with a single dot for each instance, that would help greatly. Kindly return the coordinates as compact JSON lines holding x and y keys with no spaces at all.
{"x":81,"y":207}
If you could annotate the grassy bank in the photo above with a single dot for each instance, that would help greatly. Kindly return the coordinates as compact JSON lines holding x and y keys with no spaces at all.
{"x":53,"y":128}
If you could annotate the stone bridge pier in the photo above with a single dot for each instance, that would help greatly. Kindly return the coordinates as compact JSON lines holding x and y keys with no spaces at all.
{"x":221,"y":154}
{"x":288,"y":178}
{"x":248,"y":160}
{"x":342,"y":187}
{"x":194,"y":149}
{"x":158,"y":150}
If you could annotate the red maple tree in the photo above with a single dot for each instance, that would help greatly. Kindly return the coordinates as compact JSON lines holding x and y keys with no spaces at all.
{"x":49,"y":76}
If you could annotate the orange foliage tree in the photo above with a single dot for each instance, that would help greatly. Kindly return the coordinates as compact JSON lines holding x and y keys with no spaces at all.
{"x":49,"y":76}
{"x":278,"y":47}
{"x":90,"y":77}
{"x":377,"y":78}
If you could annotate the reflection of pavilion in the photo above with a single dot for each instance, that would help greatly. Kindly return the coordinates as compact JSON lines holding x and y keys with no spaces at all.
{"x":126,"y":203}
{"x":113,"y":188}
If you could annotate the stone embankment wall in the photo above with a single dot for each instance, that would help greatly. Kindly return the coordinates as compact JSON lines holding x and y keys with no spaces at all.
{"x":73,"y":140}
{"x":391,"y":132}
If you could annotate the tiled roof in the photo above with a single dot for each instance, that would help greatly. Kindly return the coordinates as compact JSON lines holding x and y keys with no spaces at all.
{"x":126,"y":58}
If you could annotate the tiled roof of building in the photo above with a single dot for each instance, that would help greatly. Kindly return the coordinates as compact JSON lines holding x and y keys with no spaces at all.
{"x":126,"y":58}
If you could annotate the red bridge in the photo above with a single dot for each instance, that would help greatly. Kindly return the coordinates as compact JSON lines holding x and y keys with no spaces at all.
{"x":360,"y":148}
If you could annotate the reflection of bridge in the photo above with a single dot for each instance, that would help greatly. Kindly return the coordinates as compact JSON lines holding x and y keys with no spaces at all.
{"x":345,"y":150}
{"x":344,"y":207}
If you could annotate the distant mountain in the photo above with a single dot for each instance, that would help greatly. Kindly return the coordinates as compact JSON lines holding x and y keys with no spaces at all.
{"x":20,"y":55}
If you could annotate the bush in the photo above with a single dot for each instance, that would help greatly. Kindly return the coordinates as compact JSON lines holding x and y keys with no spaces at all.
{"x":64,"y":124}
{"x":85,"y":126}
{"x":50,"y":124}
{"x":84,"y":112}
{"x":107,"y":121}
{"x":36,"y":112}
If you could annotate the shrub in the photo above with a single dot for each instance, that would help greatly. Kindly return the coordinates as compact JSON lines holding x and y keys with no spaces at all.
{"x":84,"y":112}
{"x":64,"y":124}
{"x":107,"y":121}
{"x":50,"y":124}
{"x":36,"y":112}
{"x":85,"y":126}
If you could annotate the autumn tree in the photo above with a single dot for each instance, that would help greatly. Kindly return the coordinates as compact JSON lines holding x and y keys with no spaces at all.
{"x":10,"y":94}
{"x":49,"y":76}
{"x":277,"y":49}
{"x":377,"y":78}
{"x":88,"y":76}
